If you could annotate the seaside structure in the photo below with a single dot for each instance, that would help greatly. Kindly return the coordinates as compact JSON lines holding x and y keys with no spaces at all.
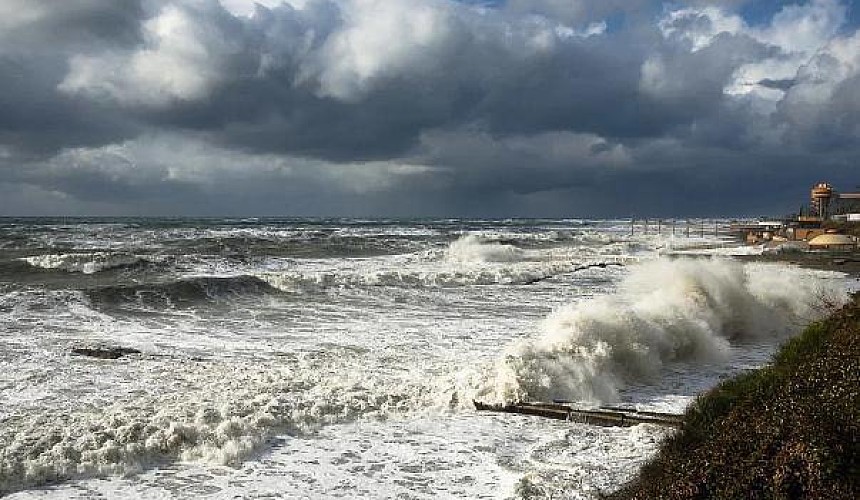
{"x":828,"y":210}
{"x":822,"y":195}
{"x":850,"y":202}
{"x":832,"y":241}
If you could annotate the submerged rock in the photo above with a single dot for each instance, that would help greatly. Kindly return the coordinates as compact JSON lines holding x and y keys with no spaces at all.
{"x":104,"y":352}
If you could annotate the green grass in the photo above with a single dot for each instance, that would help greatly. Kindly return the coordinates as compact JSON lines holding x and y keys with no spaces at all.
{"x":788,"y":430}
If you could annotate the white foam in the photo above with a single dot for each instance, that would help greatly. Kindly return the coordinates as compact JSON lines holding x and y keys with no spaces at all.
{"x":472,"y":248}
{"x":367,"y":375}
{"x":665,"y":310}
{"x":218,"y":414}
{"x":87,"y":263}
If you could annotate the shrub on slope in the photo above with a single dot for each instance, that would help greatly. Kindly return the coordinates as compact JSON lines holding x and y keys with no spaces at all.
{"x":788,"y":430}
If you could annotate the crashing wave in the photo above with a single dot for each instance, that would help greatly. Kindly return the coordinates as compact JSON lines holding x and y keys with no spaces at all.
{"x":221,"y":413}
{"x":89,"y":263}
{"x":472,"y":248}
{"x":664,"y":311}
{"x":231,"y":414}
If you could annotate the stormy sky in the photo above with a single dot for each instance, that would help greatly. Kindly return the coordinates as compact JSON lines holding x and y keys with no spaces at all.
{"x":554,"y":108}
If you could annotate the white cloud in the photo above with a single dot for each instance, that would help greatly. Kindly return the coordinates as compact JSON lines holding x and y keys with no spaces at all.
{"x":247,"y":7}
{"x":425,"y":39}
{"x":797,"y":31}
{"x":699,"y":27}
{"x":810,"y":101}
{"x":184,"y":56}
{"x":17,"y":13}
{"x":381,"y":38}
{"x":192,"y":161}
{"x":805,"y":28}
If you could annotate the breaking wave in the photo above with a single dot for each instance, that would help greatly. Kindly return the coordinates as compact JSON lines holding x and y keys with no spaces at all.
{"x":297,"y":281}
{"x":232,"y":413}
{"x":664,"y":311}
{"x":218,"y":412}
{"x":89,"y":263}
{"x":180,"y":292}
{"x":473,"y":248}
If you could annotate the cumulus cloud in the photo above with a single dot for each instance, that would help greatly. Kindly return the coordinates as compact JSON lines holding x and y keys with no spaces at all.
{"x":413,"y":106}
{"x":186,"y":51}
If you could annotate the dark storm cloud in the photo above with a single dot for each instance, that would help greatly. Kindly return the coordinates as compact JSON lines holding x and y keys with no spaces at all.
{"x":36,"y":39}
{"x":781,"y":84}
{"x":48,"y":26}
{"x":294,"y":87}
{"x":430,"y":106}
{"x":37,"y":120}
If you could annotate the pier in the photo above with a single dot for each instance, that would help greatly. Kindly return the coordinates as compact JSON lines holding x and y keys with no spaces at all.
{"x":606,"y":416}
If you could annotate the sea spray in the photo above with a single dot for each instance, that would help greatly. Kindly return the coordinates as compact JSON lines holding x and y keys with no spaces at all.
{"x":214,"y":413}
{"x":665,"y":310}
{"x":91,"y":263}
{"x":475,"y":249}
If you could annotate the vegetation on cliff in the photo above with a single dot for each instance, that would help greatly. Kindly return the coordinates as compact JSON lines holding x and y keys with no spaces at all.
{"x":788,"y":430}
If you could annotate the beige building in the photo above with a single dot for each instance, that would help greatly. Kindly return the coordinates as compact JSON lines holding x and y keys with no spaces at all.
{"x":833,"y":242}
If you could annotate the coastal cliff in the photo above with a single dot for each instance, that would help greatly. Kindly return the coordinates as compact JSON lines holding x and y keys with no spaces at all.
{"x":788,"y":430}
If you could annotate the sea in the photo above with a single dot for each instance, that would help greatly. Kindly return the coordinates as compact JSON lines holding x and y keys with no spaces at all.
{"x":339,"y":358}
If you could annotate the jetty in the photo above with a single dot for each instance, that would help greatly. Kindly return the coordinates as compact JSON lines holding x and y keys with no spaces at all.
{"x":606,"y":416}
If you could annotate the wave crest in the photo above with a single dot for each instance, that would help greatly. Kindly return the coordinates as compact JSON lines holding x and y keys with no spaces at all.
{"x":181,"y":291}
{"x":530,"y":273}
{"x":472,"y":248}
{"x":667,"y":310}
{"x":89,"y":263}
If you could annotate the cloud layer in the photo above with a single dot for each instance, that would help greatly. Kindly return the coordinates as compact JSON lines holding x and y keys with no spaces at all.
{"x":423,"y":107}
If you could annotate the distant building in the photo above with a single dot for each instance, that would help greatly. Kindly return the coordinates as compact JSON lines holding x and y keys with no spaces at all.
{"x":821,"y":196}
{"x":812,"y":223}
{"x":833,"y":242}
{"x":849,"y":206}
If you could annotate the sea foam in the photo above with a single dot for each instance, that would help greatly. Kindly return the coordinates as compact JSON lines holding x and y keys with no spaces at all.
{"x":221,"y":412}
{"x":216,"y":414}
{"x":473,"y":248}
{"x":89,"y":263}
{"x":664,"y":311}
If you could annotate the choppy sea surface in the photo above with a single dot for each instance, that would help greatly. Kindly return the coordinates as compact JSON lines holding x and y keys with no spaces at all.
{"x":339,"y":358}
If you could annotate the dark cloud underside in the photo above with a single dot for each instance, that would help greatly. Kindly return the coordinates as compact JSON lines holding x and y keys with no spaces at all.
{"x":425,"y":107}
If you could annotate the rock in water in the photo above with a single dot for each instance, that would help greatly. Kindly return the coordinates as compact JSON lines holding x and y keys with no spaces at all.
{"x":104,"y":352}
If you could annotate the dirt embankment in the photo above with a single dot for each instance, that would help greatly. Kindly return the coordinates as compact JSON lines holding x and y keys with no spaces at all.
{"x":788,"y":430}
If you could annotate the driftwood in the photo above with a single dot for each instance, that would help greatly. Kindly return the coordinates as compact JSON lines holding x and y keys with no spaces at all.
{"x":603,"y":416}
